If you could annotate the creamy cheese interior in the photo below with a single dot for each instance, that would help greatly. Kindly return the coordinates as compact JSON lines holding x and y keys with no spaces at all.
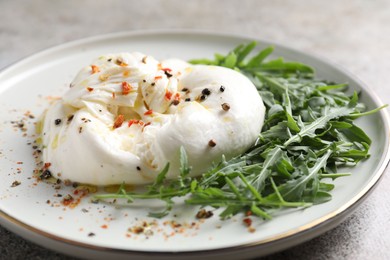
{"x":127,"y":115}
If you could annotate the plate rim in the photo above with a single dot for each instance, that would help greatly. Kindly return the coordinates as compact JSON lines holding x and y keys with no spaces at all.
{"x":304,"y":232}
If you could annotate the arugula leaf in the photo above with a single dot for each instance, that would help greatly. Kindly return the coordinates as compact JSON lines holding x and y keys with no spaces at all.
{"x":291,"y":123}
{"x":259,"y":58}
{"x":160,"y":179}
{"x":308,"y":135}
{"x":245,"y":50}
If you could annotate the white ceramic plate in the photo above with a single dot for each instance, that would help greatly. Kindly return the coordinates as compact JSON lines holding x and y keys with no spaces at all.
{"x":25,"y":209}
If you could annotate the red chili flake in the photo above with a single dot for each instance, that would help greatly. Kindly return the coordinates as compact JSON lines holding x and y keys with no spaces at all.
{"x":247,"y":222}
{"x":126,"y":73}
{"x":177,"y":96}
{"x":168,"y":95}
{"x":166,"y":69}
{"x":126,"y":88}
{"x":137,"y":229}
{"x":104,"y":226}
{"x":248,"y":213}
{"x":95,"y":69}
{"x":46,"y":165}
{"x":67,"y":200}
{"x":89,"y":89}
{"x":119,"y":121}
{"x":148,"y":123}
{"x":133,"y":121}
{"x":157,"y":77}
{"x":149,"y":112}
{"x":81,"y":191}
{"x":173,"y":224}
{"x":19,"y":162}
{"x":212,"y":143}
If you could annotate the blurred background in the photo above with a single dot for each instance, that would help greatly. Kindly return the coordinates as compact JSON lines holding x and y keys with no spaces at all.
{"x":353,"y":34}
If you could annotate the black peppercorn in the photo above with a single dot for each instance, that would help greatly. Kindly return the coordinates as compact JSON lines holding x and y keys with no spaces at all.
{"x":46,"y":174}
{"x":206,"y":92}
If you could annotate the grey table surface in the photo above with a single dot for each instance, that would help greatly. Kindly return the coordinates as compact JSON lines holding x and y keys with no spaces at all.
{"x":354,"y":34}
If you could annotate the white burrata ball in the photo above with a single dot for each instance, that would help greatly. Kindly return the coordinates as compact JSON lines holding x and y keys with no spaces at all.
{"x":127,"y":115}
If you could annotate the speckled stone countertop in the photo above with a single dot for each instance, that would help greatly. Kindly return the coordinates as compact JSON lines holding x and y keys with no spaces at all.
{"x":354,"y":34}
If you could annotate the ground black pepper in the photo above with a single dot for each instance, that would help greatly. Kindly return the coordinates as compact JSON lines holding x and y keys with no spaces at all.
{"x":70,"y":118}
{"x":206,"y":92}
{"x":225,"y":106}
{"x":167,"y":74}
{"x":15,"y":183}
{"x":57,"y":121}
{"x":46,"y":174}
{"x":202,"y":214}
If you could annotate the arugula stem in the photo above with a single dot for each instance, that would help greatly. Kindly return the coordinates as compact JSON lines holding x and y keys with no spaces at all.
{"x":171,"y":194}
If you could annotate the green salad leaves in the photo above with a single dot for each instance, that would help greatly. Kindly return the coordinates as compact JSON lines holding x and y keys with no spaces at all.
{"x":308,"y":135}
